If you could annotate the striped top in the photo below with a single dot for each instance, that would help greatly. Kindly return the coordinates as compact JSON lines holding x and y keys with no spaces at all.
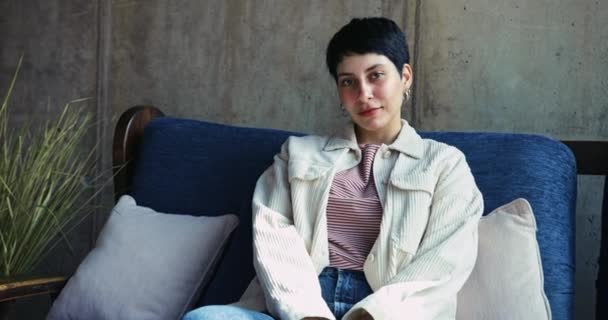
{"x":354,"y":213}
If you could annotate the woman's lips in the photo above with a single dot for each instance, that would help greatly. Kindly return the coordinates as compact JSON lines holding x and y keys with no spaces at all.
{"x":369,"y":112}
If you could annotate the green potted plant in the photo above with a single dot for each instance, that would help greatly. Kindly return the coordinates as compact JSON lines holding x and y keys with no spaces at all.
{"x":46,"y":183}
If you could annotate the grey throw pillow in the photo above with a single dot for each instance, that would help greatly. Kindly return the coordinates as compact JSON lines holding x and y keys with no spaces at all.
{"x":145,"y":265}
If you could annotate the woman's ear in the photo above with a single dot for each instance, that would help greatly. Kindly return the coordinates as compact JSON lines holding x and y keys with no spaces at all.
{"x":407,"y":75}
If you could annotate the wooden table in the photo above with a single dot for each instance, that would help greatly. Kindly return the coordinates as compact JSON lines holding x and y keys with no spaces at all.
{"x":14,"y":288}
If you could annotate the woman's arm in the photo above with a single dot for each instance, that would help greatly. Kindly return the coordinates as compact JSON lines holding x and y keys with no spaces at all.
{"x":281,"y":259}
{"x":426,"y":288}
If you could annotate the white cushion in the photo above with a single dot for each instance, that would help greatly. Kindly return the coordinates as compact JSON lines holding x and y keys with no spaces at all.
{"x":507,"y":280}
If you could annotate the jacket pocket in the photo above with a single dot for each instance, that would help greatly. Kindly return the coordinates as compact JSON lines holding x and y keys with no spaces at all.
{"x":415,"y":182}
{"x":305,"y":171}
{"x":411,"y":199}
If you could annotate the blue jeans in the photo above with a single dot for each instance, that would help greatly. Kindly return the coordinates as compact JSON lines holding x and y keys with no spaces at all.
{"x":341,"y":289}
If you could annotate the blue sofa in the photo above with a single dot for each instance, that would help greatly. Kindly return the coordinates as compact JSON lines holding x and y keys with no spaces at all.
{"x":185,"y":166}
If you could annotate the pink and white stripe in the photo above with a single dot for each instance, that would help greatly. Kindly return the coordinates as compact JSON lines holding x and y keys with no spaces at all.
{"x":354,"y":213}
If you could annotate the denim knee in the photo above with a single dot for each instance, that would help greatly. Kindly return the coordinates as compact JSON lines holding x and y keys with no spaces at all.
{"x":225,"y":313}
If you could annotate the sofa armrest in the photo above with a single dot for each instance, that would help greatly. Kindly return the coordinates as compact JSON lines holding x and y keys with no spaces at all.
{"x":127,"y":138}
{"x":591,"y":156}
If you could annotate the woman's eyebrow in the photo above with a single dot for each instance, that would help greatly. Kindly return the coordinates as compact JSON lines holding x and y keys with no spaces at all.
{"x":373,"y":67}
{"x":366,"y":70}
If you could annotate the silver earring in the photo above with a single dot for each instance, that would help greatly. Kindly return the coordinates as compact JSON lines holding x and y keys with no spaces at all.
{"x":344,"y":113}
{"x":406,"y":95}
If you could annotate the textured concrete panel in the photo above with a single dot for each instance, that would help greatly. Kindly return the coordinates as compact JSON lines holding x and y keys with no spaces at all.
{"x":522,"y":66}
{"x":249,"y":63}
{"x":58,"y":41}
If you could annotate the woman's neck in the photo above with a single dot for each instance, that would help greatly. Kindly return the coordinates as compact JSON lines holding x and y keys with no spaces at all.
{"x":377,"y":137}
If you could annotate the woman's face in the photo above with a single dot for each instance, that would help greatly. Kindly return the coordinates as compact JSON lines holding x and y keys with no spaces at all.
{"x":371,"y":91}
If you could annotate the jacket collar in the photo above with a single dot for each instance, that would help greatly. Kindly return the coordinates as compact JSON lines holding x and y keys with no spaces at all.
{"x":407,"y":142}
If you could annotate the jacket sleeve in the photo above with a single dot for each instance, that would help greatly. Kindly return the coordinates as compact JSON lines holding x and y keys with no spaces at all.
{"x":283,"y":265}
{"x":427,"y":287}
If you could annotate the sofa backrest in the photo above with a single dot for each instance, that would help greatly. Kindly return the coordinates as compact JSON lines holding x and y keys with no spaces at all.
{"x":201,"y":168}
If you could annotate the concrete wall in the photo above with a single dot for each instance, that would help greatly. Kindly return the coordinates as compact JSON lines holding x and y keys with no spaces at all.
{"x":512,"y":66}
{"x":242,"y":62}
{"x":521,"y":66}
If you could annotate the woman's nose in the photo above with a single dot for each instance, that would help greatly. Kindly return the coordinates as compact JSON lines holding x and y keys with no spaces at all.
{"x":365,"y":91}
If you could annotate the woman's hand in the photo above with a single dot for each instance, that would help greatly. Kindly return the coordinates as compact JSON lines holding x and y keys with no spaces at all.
{"x":365,"y":316}
{"x":361,"y":314}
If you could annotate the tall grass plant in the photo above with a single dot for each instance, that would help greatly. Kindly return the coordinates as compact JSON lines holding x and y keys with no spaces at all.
{"x":46,"y":183}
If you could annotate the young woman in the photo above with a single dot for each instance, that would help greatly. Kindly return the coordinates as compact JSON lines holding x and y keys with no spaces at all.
{"x":371,"y":223}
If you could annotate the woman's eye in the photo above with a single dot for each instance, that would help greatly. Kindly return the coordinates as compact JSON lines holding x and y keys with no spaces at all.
{"x":346,"y":82}
{"x":376,"y":75}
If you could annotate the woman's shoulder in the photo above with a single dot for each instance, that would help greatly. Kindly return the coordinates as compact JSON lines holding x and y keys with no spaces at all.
{"x":436,"y":149}
{"x":308,"y":143}
{"x":438,"y":156}
{"x":425,"y":149}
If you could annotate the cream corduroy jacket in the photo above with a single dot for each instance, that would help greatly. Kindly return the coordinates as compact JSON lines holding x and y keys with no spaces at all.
{"x":427,"y":243}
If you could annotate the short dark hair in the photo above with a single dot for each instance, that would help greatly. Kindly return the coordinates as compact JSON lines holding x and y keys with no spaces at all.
{"x":368,"y":35}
